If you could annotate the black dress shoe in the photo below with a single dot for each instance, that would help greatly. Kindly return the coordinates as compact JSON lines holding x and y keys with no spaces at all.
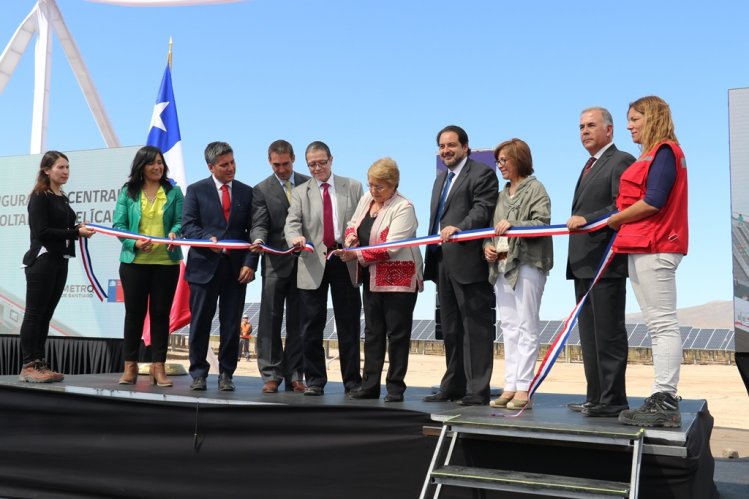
{"x":440,"y":397}
{"x":352,"y":388}
{"x":198,"y":384}
{"x":364,"y":394}
{"x":578,"y":407}
{"x":225,"y":384}
{"x":394,"y":397}
{"x":314,"y":391}
{"x":471,"y":400}
{"x":604,"y":411}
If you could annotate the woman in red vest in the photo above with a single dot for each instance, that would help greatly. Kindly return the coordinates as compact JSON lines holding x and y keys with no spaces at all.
{"x":652,"y":225}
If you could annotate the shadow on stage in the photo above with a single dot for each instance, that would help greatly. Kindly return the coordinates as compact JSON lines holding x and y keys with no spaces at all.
{"x":90,"y":437}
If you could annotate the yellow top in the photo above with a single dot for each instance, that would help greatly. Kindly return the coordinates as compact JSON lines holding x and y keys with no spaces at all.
{"x":152,"y":224}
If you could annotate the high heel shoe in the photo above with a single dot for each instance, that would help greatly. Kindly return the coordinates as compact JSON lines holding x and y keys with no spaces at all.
{"x":158,"y":374}
{"x":517,"y":405}
{"x":130,"y":376}
{"x":502,"y":400}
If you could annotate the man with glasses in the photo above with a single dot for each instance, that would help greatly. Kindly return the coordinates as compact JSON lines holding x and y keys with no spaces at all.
{"x":319,"y":212}
{"x":603,"y":337}
{"x":278,"y":361}
{"x":463,"y":198}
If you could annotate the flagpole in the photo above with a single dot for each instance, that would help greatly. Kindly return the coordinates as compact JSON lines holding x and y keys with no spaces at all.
{"x":169,"y":54}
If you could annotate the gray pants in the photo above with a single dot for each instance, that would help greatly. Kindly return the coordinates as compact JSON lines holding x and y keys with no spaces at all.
{"x":653,"y":278}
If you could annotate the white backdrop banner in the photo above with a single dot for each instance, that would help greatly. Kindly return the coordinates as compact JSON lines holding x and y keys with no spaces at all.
{"x":96,"y":178}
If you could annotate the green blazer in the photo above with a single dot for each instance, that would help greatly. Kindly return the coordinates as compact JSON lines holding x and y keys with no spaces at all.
{"x":127,"y":215}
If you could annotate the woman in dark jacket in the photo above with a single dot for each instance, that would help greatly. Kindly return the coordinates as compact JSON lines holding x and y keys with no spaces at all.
{"x":53,"y":232}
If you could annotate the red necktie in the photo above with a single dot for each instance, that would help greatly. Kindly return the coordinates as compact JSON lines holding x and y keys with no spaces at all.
{"x":225,"y":201}
{"x":328,"y":237}
{"x":588,"y":166}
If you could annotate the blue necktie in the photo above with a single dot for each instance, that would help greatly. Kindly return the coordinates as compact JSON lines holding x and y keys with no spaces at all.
{"x":441,"y":205}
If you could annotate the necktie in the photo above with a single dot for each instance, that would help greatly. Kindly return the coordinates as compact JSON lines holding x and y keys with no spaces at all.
{"x":287,"y":185}
{"x":328,"y":237}
{"x":441,"y":205}
{"x":225,"y":201}
{"x":588,"y":166}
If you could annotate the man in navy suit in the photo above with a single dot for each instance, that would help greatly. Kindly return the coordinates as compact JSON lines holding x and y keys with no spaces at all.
{"x":217,"y":208}
{"x":463,"y":198}
{"x":603,"y":337}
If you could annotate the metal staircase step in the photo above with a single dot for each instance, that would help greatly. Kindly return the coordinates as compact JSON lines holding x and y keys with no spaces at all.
{"x":529,"y":483}
{"x":483,"y":425}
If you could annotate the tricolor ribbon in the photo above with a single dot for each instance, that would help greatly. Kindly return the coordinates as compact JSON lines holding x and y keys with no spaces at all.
{"x":198,"y":243}
{"x":471,"y":235}
{"x":560,"y":341}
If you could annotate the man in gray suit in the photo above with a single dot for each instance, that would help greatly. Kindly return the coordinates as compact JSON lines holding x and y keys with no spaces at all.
{"x":603,"y":337}
{"x":319,"y":212}
{"x":277,"y":361}
{"x":463,"y":198}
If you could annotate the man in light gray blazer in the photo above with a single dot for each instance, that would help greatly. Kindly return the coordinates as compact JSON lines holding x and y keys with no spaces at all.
{"x":319,"y":212}
{"x":278,"y":361}
{"x":603,"y":337}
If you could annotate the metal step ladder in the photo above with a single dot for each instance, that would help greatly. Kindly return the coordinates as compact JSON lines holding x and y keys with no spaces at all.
{"x":442,"y":472}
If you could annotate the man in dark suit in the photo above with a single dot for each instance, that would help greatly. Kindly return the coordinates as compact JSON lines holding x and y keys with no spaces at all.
{"x":603,"y":336}
{"x":217,"y":208}
{"x":277,"y":361}
{"x":319,"y":212}
{"x":463,"y":198}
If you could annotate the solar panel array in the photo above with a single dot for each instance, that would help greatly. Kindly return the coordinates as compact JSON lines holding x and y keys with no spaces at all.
{"x":423,"y":330}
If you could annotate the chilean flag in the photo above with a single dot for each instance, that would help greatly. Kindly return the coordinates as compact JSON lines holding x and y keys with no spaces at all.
{"x":164,"y":134}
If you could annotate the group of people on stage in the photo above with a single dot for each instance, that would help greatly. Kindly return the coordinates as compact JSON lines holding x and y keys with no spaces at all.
{"x":335,"y":214}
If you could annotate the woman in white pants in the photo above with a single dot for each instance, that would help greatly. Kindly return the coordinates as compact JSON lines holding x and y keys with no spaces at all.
{"x":518,"y":267}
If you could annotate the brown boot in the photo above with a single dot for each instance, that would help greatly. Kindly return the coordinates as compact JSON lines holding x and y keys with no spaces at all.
{"x":130,"y":376}
{"x":158,"y":374}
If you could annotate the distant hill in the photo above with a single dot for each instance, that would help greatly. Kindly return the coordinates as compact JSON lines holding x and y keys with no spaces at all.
{"x":714,"y":314}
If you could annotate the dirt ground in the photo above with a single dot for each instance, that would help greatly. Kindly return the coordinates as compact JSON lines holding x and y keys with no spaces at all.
{"x":720,"y":385}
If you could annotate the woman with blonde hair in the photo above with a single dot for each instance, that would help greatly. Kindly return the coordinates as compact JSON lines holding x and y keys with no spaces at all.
{"x":653,"y":230}
{"x":391,"y":278}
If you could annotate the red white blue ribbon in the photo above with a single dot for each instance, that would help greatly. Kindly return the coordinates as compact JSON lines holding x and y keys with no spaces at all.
{"x":198,"y":243}
{"x":560,"y":341}
{"x":471,"y":235}
{"x":89,"y":269}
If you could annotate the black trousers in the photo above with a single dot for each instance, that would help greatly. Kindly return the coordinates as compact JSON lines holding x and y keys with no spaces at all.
{"x":277,"y":361}
{"x":468,"y":331}
{"x":225,"y":289}
{"x":147,"y":288}
{"x":603,"y":340}
{"x":45,"y":281}
{"x":388,"y":318}
{"x":313,"y":306}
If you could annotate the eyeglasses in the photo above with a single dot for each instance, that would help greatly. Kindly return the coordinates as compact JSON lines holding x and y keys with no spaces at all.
{"x":502,"y":161}
{"x":318,"y":164}
{"x":377,"y":188}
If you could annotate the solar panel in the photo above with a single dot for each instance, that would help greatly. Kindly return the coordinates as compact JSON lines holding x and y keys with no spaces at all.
{"x":717,"y":339}
{"x":639,"y":335}
{"x":424,"y":330}
{"x":574,"y":339}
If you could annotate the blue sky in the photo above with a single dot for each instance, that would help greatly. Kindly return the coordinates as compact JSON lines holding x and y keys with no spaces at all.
{"x":380,"y":78}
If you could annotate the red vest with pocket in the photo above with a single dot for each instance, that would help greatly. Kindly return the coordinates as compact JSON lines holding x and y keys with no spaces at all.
{"x":665,"y":232}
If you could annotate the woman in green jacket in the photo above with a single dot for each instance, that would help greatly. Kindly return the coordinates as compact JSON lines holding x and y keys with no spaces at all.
{"x":150,"y":205}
